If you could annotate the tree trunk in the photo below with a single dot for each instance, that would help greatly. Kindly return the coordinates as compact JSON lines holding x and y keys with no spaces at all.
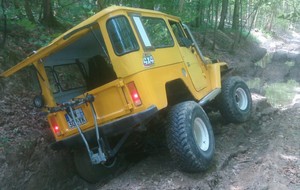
{"x":48,"y":18}
{"x":216,"y":24}
{"x":28,"y":11}
{"x":255,"y":19}
{"x":100,"y":4}
{"x":223,"y":14}
{"x":235,"y":19}
{"x":235,"y":23}
{"x":3,"y":41}
{"x":242,"y":25}
{"x":200,"y":15}
{"x":18,"y":8}
{"x":211,"y":11}
{"x":252,"y":23}
{"x":269,"y":24}
{"x":181,"y":4}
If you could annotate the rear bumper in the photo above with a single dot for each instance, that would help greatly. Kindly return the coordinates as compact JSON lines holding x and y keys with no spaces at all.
{"x":109,"y":129}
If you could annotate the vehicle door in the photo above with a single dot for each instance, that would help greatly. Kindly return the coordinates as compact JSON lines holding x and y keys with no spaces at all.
{"x":190,"y":57}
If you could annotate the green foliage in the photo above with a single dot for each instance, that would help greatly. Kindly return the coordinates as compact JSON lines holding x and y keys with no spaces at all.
{"x":43,"y":40}
{"x":71,"y":13}
{"x":281,"y":93}
{"x":26,"y":24}
{"x":3,"y":141}
{"x":254,"y":83}
{"x":264,"y":14}
{"x":282,"y":25}
{"x":294,"y":16}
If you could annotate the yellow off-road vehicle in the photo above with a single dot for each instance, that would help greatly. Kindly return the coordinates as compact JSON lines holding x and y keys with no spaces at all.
{"x":116,"y":71}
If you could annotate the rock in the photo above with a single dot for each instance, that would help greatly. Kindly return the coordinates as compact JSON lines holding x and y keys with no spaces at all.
{"x":297,"y":59}
{"x":295,"y":73}
{"x":269,"y":111}
{"x":275,"y":72}
{"x":296,"y":105}
{"x":260,"y":104}
{"x":280,"y":57}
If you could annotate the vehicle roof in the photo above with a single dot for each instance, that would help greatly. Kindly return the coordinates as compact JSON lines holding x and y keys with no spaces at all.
{"x":62,"y":39}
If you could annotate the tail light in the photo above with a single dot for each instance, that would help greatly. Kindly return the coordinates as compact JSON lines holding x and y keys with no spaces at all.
{"x":55,"y":126}
{"x":134,"y":94}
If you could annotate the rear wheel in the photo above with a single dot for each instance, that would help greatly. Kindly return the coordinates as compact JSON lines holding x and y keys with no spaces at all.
{"x":190,"y":137}
{"x":94,"y":173}
{"x":235,"y":101}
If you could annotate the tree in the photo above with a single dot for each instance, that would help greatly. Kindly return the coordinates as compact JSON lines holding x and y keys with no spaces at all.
{"x":223,"y":14}
{"x":181,"y":4}
{"x":235,"y":18}
{"x":204,"y":14}
{"x":48,"y":18}
{"x":216,"y":23}
{"x":3,"y":7}
{"x":17,"y":7}
{"x":28,"y":11}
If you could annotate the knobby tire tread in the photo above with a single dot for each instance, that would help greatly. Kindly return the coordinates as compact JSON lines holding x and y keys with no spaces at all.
{"x":180,"y":149}
{"x":226,"y":102}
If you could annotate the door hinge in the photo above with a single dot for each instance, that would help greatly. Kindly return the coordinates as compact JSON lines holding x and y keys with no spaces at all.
{"x":121,"y":83}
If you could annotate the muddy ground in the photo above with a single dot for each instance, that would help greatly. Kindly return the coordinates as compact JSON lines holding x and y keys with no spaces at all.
{"x":263,"y":153}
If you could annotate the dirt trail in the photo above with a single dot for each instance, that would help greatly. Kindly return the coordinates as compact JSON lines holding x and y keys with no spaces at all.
{"x":260,"y":154}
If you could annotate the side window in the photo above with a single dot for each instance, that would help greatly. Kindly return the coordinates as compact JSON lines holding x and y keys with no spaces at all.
{"x":69,"y":76}
{"x":121,"y":35}
{"x":178,"y":32}
{"x":53,"y":84}
{"x":158,"y":32}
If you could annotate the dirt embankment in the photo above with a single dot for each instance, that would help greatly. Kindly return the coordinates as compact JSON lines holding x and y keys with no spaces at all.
{"x":263,"y":153}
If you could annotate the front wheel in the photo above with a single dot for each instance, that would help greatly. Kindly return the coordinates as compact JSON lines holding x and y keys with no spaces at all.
{"x":235,"y":101}
{"x":190,"y":137}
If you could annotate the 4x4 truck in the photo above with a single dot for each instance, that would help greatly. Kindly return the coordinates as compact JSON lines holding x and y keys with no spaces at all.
{"x":113,"y":73}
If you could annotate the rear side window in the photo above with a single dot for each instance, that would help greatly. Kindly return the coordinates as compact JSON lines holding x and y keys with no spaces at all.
{"x":69,"y":76}
{"x":51,"y":77}
{"x":121,"y":35}
{"x":157,"y":32}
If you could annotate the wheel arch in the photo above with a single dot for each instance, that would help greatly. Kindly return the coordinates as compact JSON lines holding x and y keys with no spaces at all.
{"x":177,"y":91}
{"x":225,"y":71}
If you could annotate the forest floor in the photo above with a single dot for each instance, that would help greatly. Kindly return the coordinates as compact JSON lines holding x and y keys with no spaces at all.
{"x":263,"y":153}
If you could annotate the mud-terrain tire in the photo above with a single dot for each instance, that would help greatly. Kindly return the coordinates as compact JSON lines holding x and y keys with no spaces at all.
{"x":94,"y":173}
{"x":190,"y":137}
{"x":235,"y":101}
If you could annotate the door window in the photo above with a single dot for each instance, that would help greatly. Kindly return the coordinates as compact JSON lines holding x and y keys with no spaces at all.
{"x":178,"y":32}
{"x":157,"y":32}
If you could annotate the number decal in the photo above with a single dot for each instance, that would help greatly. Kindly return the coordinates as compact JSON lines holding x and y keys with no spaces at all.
{"x":148,"y":60}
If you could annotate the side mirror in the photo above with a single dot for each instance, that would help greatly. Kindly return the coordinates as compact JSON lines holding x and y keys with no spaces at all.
{"x":38,"y":101}
{"x":187,"y":42}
